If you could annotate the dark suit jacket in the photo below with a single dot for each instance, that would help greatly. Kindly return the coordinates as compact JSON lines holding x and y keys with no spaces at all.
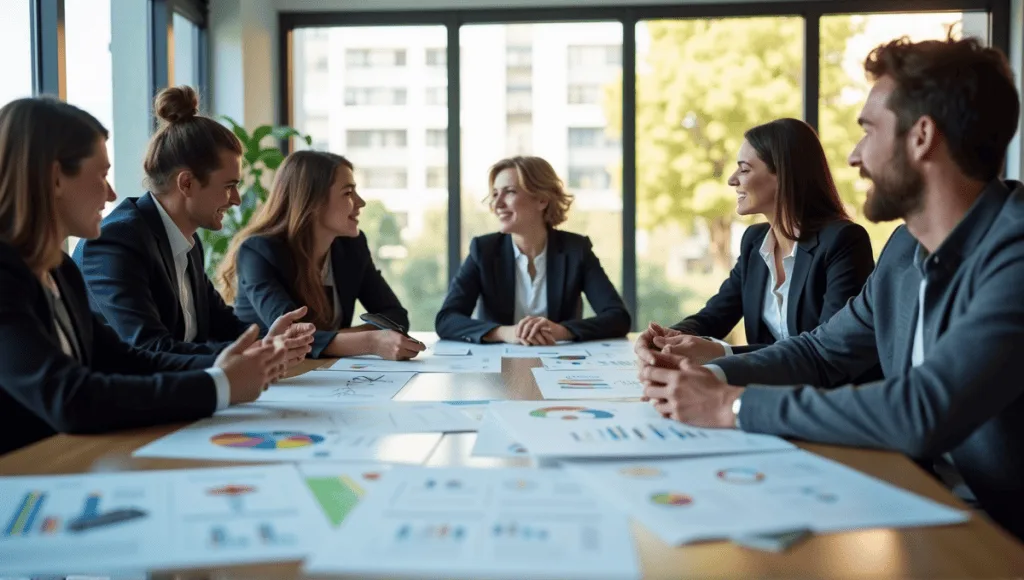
{"x":44,"y":391}
{"x":967,"y":398}
{"x":266,"y":270}
{"x":831,"y":267}
{"x":489,"y":275}
{"x":129,"y":271}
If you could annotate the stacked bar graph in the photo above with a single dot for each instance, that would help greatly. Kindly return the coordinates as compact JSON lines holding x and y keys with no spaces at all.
{"x":640,"y":432}
{"x":21,"y":522}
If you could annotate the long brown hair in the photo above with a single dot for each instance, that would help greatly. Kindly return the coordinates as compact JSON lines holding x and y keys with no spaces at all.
{"x":807,"y":199}
{"x":301,"y":190}
{"x":184,"y":140}
{"x":35,"y":133}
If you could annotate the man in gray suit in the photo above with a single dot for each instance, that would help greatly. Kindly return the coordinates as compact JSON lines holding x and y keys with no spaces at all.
{"x":943,"y":312}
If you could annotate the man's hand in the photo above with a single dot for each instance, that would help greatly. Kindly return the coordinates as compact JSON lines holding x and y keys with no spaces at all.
{"x":249,"y":365}
{"x":294,"y":337}
{"x":698,"y":350}
{"x":691,"y":394}
{"x":645,"y":341}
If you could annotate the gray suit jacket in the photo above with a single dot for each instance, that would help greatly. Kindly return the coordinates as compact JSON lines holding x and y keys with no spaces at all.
{"x":964,"y":399}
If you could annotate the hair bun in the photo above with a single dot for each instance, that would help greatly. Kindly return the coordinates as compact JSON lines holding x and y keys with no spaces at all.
{"x":177,"y":104}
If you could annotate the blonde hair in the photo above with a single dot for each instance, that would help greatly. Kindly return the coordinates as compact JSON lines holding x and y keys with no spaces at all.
{"x":539,"y":179}
{"x":301,"y":190}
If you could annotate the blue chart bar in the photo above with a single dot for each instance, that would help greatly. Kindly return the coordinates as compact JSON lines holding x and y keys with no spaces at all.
{"x":267,"y":533}
{"x":613,"y":434}
{"x":638,"y":433}
{"x":92,"y":507}
{"x":656,"y":432}
{"x":22,"y":520}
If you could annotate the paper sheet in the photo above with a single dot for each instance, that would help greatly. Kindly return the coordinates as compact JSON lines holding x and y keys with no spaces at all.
{"x":605,"y":429}
{"x":320,"y":387}
{"x":479,"y":523}
{"x":687,"y":500}
{"x":591,"y":362}
{"x":493,"y":441}
{"x":339,"y":487}
{"x":597,"y":384}
{"x":561,"y":349}
{"x":108,"y":522}
{"x":339,"y":433}
{"x":426,"y":362}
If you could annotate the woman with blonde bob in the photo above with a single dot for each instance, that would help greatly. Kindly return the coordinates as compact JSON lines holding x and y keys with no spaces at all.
{"x":303,"y":247}
{"x":529,"y":277}
{"x":62,"y":369}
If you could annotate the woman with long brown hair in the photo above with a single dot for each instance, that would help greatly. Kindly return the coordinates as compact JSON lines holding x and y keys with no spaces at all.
{"x":304,"y":247}
{"x":795,"y":271}
{"x":62,"y":369}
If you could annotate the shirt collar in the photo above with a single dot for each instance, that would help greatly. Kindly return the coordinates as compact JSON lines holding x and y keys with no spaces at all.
{"x":180,"y":245}
{"x":768,"y":246}
{"x":967,"y":234}
{"x":327,"y":272}
{"x":538,"y":260}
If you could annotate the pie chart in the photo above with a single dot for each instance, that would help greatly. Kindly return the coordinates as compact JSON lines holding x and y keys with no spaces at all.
{"x":570,"y":413}
{"x":266,"y":439}
{"x":671,"y":499}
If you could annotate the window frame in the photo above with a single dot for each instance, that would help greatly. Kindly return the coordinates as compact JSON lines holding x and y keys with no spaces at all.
{"x":811,"y":11}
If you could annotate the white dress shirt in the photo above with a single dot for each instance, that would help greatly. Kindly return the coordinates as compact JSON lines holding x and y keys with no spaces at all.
{"x":180,"y":247}
{"x":327,"y":277}
{"x":531,"y":294}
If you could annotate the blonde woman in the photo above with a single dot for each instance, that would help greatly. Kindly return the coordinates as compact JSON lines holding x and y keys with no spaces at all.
{"x":529,"y":277}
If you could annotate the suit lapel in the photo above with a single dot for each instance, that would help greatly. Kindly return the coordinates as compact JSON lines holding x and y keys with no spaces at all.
{"x":801,"y":267}
{"x":505,"y":279}
{"x":556,"y":278}
{"x":199,"y":302}
{"x":754,"y":287}
{"x":906,"y":318}
{"x":75,"y":313}
{"x":147,"y":208}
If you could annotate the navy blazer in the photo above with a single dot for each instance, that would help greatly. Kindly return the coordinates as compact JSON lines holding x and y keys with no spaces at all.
{"x":44,"y":391}
{"x":966,"y":398}
{"x":266,"y":270}
{"x":129,"y":271}
{"x":831,"y":267}
{"x":489,"y":276}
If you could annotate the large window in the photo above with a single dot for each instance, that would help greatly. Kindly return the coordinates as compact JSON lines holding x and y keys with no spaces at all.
{"x":186,"y":52}
{"x":516,"y":104}
{"x":846,"y":41}
{"x":365,"y":92}
{"x":16,"y":43}
{"x":699,"y":85}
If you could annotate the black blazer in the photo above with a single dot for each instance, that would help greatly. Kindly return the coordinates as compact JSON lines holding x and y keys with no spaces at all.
{"x":266,"y":269}
{"x":129,"y":271}
{"x":44,"y":391}
{"x":831,"y":267}
{"x":489,"y":275}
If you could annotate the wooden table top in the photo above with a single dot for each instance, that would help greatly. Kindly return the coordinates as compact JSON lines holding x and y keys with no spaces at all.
{"x":977,"y":549}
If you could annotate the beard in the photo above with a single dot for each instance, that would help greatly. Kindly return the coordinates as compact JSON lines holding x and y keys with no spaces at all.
{"x":898,"y":189}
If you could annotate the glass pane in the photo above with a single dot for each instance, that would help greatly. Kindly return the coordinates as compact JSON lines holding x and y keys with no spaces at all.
{"x":90,"y":82}
{"x":186,"y":52}
{"x":551,"y":90}
{"x":699,"y":85}
{"x":364,"y":92}
{"x":846,"y":41}
{"x":16,"y":45}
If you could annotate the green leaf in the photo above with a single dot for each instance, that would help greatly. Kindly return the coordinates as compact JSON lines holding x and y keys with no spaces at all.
{"x":284,"y":132}
{"x":308,"y":139}
{"x":258,"y":135}
{"x":272,"y":158}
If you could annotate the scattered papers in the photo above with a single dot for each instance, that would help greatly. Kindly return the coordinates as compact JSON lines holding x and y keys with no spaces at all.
{"x":603,"y":429}
{"x":479,"y":523}
{"x":339,"y":432}
{"x":450,"y":348}
{"x":607,"y":384}
{"x":319,"y":387}
{"x":588,"y":362}
{"x":110,"y":522}
{"x":426,"y":362}
{"x":493,"y":441}
{"x":687,"y":500}
{"x":563,"y":349}
{"x":339,"y":487}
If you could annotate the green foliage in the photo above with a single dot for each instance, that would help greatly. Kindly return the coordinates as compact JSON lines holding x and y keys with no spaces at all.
{"x":259,"y":161}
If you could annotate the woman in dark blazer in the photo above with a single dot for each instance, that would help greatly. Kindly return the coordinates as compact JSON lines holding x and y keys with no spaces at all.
{"x":795,"y":271}
{"x":529,"y":277}
{"x":304,"y":248}
{"x":61,"y":368}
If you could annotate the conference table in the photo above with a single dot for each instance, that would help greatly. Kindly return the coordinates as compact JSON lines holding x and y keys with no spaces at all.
{"x":976,"y":549}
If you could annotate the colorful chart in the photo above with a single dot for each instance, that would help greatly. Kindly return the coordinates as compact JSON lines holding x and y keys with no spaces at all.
{"x":642,"y":472}
{"x":583,"y":382}
{"x":21,"y":522}
{"x":231,"y":490}
{"x":571,"y":357}
{"x":431,"y":532}
{"x":268,"y":440}
{"x":641,"y":432}
{"x":337,"y":496}
{"x":570,"y":413}
{"x":671,"y":499}
{"x":741,"y":475}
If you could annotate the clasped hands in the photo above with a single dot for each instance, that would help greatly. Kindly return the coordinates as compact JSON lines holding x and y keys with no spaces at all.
{"x":532,"y":331}
{"x":679,"y":387}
